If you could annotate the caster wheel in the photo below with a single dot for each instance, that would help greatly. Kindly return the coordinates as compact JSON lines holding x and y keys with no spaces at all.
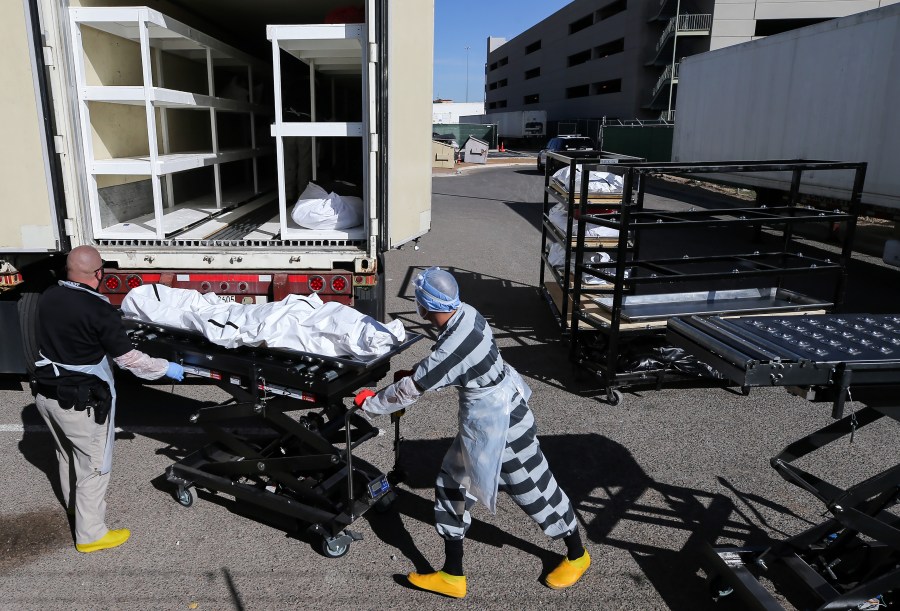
{"x":615,"y":398}
{"x":186,"y":495}
{"x":718,"y":588}
{"x":334,"y":550}
{"x":745,"y":390}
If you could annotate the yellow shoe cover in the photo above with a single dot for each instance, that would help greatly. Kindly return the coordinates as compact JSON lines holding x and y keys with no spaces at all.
{"x":113,"y":538}
{"x":568,"y":572}
{"x":440,"y":582}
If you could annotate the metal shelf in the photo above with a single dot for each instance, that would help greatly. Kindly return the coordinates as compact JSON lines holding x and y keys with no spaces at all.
{"x":155,"y":36}
{"x":328,"y":50}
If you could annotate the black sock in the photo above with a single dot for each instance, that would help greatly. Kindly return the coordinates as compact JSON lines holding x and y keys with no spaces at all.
{"x":453,"y":551}
{"x":574,"y":547}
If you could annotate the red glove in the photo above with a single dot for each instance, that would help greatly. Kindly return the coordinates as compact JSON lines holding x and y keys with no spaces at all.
{"x":361,"y":397}
{"x":403,"y":373}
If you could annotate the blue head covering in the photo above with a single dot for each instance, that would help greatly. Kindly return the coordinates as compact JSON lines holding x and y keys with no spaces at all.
{"x":437,"y":291}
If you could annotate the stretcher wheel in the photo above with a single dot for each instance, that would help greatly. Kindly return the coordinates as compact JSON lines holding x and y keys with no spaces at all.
{"x":186,"y":495}
{"x":333,"y":549}
{"x":614,"y":397}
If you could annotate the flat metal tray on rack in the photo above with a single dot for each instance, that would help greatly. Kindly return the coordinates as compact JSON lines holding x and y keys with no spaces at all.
{"x":639,"y":308}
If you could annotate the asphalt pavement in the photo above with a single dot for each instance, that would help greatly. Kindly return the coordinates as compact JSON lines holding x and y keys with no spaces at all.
{"x":652,"y":480}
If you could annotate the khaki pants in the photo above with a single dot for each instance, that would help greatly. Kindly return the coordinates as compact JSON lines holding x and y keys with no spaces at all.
{"x":80,"y":445}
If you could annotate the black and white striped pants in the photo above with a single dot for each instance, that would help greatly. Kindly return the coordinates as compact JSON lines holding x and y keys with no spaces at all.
{"x":524,"y":475}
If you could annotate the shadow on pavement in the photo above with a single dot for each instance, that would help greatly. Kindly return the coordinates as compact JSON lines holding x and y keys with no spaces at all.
{"x":617,"y":505}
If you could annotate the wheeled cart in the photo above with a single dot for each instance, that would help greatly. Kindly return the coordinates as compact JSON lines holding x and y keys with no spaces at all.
{"x":284,"y":442}
{"x":852,"y":559}
{"x":687,"y":259}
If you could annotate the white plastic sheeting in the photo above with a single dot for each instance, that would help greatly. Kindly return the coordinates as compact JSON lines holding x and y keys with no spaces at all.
{"x":598,"y":182}
{"x":318,"y":209}
{"x":559,"y":217}
{"x":557,"y":258}
{"x":297,"y":322}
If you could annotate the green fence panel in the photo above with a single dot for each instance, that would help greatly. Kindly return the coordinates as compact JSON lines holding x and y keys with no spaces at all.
{"x":462,"y":131}
{"x":652,"y":142}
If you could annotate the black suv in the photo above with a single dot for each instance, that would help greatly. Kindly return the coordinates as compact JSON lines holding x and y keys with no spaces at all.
{"x":563,"y":143}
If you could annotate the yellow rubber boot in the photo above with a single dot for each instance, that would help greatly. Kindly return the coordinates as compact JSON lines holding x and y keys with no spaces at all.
{"x":568,"y":572}
{"x":440,"y":583}
{"x":113,"y":538}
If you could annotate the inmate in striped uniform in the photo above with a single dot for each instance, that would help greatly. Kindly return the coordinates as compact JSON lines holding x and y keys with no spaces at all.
{"x":466,"y":356}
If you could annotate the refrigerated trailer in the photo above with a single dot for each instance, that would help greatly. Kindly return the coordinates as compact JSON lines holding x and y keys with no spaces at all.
{"x":177,"y":138}
{"x":827,"y":91}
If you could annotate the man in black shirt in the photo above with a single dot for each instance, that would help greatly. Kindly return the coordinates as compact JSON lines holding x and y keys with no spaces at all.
{"x":76,"y":394}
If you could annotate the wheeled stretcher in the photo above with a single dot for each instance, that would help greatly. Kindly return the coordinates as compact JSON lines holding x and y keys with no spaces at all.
{"x":284,"y":441}
{"x":852,"y":559}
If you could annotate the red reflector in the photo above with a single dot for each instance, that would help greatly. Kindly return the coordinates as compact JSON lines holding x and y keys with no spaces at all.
{"x":297,"y":278}
{"x":316,"y":283}
{"x":150,"y":278}
{"x":112,"y":283}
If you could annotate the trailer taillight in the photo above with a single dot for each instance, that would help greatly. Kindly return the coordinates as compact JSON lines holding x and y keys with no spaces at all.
{"x":112,"y":282}
{"x":133,"y":281}
{"x":316,"y":283}
{"x":339,"y":284}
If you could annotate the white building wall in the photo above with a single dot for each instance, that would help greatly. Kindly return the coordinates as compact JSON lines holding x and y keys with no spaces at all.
{"x":734,"y":21}
{"x":450,"y":112}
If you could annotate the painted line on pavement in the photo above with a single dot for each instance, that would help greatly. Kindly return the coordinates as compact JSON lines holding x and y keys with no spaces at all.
{"x":139,"y":430}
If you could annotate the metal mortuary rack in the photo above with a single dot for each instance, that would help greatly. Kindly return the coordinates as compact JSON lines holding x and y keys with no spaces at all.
{"x":557,"y":288}
{"x":852,"y":559}
{"x":731,"y":277}
{"x":285,"y":440}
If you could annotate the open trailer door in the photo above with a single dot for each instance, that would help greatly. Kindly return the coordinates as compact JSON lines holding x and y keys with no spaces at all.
{"x":410,"y":43}
{"x":29,"y":222}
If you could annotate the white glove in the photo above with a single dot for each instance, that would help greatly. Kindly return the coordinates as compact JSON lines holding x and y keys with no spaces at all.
{"x":394,"y":397}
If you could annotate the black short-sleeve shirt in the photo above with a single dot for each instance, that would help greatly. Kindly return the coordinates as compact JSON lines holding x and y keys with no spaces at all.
{"x":77,"y":328}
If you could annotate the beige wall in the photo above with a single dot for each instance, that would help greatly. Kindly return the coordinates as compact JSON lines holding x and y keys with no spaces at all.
{"x":26,"y":220}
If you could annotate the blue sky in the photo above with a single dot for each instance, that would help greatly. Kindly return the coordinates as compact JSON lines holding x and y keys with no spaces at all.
{"x":461,"y":23}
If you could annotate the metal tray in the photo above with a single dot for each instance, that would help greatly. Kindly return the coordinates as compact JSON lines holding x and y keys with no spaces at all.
{"x":637,"y":308}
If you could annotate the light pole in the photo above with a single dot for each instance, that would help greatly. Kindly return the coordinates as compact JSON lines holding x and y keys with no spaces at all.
{"x":467,"y":73}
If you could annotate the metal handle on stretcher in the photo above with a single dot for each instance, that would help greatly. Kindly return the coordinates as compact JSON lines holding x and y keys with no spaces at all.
{"x":349,"y":413}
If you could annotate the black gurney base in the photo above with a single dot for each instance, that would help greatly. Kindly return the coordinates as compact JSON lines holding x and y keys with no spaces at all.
{"x":851,"y":560}
{"x":284,"y":442}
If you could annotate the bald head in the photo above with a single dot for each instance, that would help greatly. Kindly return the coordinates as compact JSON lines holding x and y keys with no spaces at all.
{"x":82,"y":264}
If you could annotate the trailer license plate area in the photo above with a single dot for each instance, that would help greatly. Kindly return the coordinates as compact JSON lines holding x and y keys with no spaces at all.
{"x":378,"y":487}
{"x":245,"y":299}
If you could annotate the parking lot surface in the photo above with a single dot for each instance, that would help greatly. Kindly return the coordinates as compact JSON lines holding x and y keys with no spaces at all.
{"x":652,"y":480}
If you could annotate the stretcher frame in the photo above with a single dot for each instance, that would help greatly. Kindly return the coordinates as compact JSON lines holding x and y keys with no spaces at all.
{"x":284,"y":441}
{"x":852,"y":558}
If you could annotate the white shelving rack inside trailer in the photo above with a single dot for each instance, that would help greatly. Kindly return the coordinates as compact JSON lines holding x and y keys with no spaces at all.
{"x":160,"y":39}
{"x":328,"y":50}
